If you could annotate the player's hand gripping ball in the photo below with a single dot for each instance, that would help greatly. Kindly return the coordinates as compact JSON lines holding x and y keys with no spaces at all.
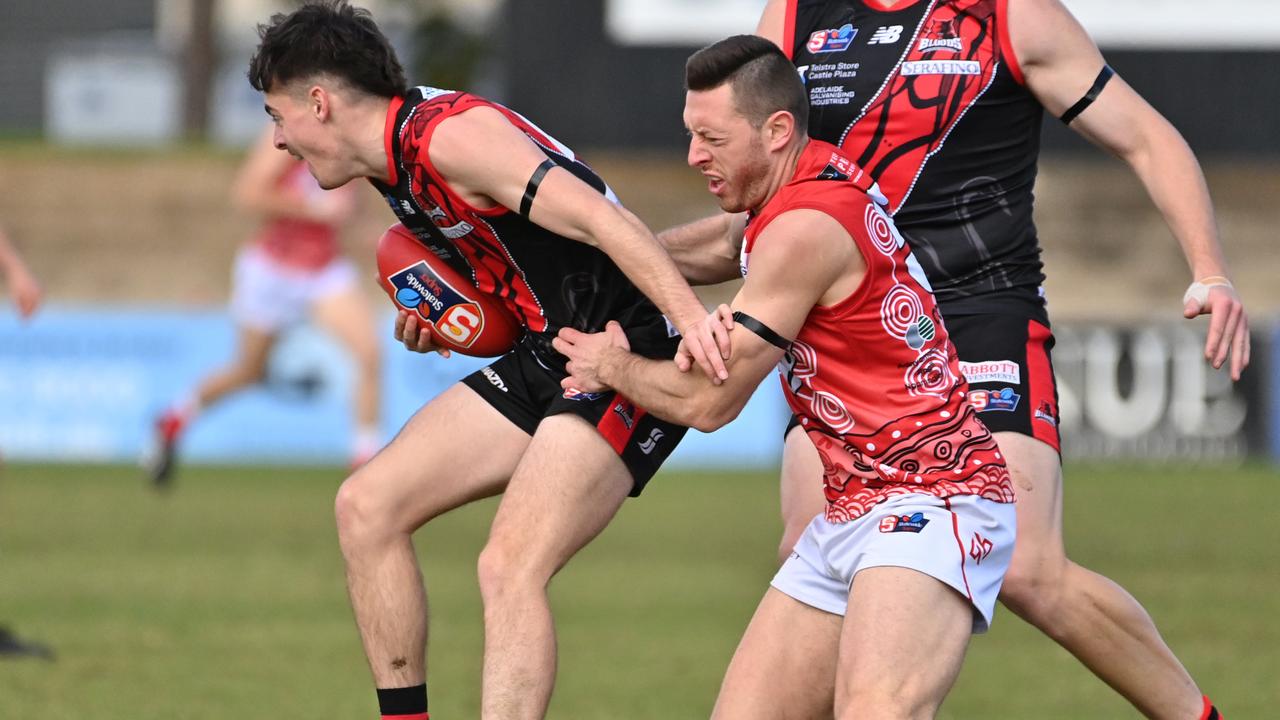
{"x":458,"y":316}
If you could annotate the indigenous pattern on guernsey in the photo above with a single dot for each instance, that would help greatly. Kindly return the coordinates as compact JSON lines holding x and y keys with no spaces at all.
{"x":548,"y":281}
{"x":928,"y":98}
{"x":874,"y":377}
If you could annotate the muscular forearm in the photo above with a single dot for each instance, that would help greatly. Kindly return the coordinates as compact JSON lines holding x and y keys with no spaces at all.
{"x":661,"y":389}
{"x":1175,"y":182}
{"x":11,"y":263}
{"x":706,"y":250}
{"x":647,"y":265}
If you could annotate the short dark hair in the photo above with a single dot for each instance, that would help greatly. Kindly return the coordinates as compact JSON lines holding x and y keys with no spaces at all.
{"x":763,"y":80}
{"x":326,"y":37}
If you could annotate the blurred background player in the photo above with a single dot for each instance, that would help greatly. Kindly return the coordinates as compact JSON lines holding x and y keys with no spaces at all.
{"x":290,"y":270}
{"x":25,"y":292}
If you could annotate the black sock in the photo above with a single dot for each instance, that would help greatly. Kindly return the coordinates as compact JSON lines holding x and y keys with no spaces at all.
{"x":403,"y":701}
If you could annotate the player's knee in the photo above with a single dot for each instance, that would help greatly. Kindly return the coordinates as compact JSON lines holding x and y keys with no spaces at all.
{"x":1032,"y":587}
{"x":358,"y":514}
{"x":503,"y":569}
{"x":883,"y":703}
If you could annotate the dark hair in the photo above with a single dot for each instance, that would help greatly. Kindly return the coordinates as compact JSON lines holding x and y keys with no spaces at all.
{"x":326,"y":37}
{"x":763,"y":80}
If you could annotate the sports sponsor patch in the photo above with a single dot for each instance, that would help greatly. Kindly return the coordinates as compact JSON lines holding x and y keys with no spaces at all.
{"x":1045,"y":413}
{"x":494,"y":378}
{"x":1001,"y":371}
{"x":942,"y":67}
{"x":576,"y":394}
{"x":832,"y":40}
{"x":903,"y":523}
{"x":886,"y":35}
{"x":420,"y":289}
{"x":1004,"y":399}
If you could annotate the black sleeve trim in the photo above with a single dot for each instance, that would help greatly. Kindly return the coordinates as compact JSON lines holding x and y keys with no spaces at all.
{"x":531,"y":190}
{"x":1104,"y":76}
{"x":764,"y":331}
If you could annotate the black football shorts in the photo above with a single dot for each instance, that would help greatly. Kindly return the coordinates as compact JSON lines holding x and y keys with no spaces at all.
{"x":525,"y":391}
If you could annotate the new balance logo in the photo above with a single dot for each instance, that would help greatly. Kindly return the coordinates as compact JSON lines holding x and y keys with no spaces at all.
{"x":649,"y":445}
{"x":886,"y":35}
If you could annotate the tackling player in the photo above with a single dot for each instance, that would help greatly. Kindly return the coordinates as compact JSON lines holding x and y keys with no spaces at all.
{"x":941,"y":102}
{"x":871,"y":615}
{"x":514,"y":210}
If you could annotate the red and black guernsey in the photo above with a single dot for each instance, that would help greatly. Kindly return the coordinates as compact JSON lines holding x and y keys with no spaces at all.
{"x":547,"y":280}
{"x":927,"y":97}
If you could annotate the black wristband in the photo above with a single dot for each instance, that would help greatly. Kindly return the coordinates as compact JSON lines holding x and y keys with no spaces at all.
{"x":531,"y":190}
{"x":1103,"y":78}
{"x":764,"y":331}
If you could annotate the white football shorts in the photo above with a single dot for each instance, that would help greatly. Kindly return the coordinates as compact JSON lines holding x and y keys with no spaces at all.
{"x":964,"y":541}
{"x":269,"y":296}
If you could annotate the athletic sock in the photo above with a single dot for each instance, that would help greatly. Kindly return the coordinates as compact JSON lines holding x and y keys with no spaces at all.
{"x":176,"y":418}
{"x":368,"y":441}
{"x":408,"y":703}
{"x":1210,"y":712}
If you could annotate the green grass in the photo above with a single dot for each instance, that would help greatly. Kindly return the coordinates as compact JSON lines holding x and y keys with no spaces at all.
{"x":225,"y":599}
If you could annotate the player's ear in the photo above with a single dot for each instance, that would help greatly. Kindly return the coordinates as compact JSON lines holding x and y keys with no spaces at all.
{"x":780,"y":128}
{"x":318,"y":102}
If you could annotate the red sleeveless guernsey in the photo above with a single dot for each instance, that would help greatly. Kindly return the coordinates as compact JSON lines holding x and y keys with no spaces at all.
{"x":874,"y":378}
{"x":295,"y":243}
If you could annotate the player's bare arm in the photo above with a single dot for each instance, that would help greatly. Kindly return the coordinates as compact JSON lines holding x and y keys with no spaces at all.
{"x":1061,"y":64}
{"x":772,"y":21}
{"x":779,"y":292}
{"x":23,"y":287}
{"x":706,"y":250}
{"x":490,"y":162}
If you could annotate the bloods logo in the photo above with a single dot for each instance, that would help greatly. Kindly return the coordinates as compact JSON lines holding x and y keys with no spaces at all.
{"x":449,"y":312}
{"x":827,"y":41}
{"x":1045,"y":413}
{"x":944,"y":37}
{"x":903,"y":523}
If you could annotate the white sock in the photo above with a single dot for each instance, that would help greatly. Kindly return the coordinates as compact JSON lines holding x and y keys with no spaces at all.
{"x":368,"y":441}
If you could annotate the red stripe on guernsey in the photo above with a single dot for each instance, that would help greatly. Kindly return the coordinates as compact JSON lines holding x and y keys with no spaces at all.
{"x":1040,"y":386}
{"x":924,"y":97}
{"x":619,"y":422}
{"x":955,"y":529}
{"x":1006,"y":42}
{"x":496,"y":271}
{"x":789,"y":30}
{"x":389,"y":137}
{"x":414,"y":716}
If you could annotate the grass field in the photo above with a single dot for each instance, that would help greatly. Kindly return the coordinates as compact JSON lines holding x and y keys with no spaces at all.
{"x":225,"y":598}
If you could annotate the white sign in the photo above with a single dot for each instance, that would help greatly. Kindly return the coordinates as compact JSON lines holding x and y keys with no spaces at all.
{"x":1168,"y":24}
{"x":1180,"y":24}
{"x":688,"y":23}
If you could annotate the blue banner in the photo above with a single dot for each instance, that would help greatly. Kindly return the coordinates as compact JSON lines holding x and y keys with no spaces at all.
{"x":84,"y":384}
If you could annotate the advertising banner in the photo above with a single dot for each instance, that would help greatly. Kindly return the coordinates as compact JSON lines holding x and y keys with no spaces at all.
{"x":82,"y":384}
{"x":1145,"y":391}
